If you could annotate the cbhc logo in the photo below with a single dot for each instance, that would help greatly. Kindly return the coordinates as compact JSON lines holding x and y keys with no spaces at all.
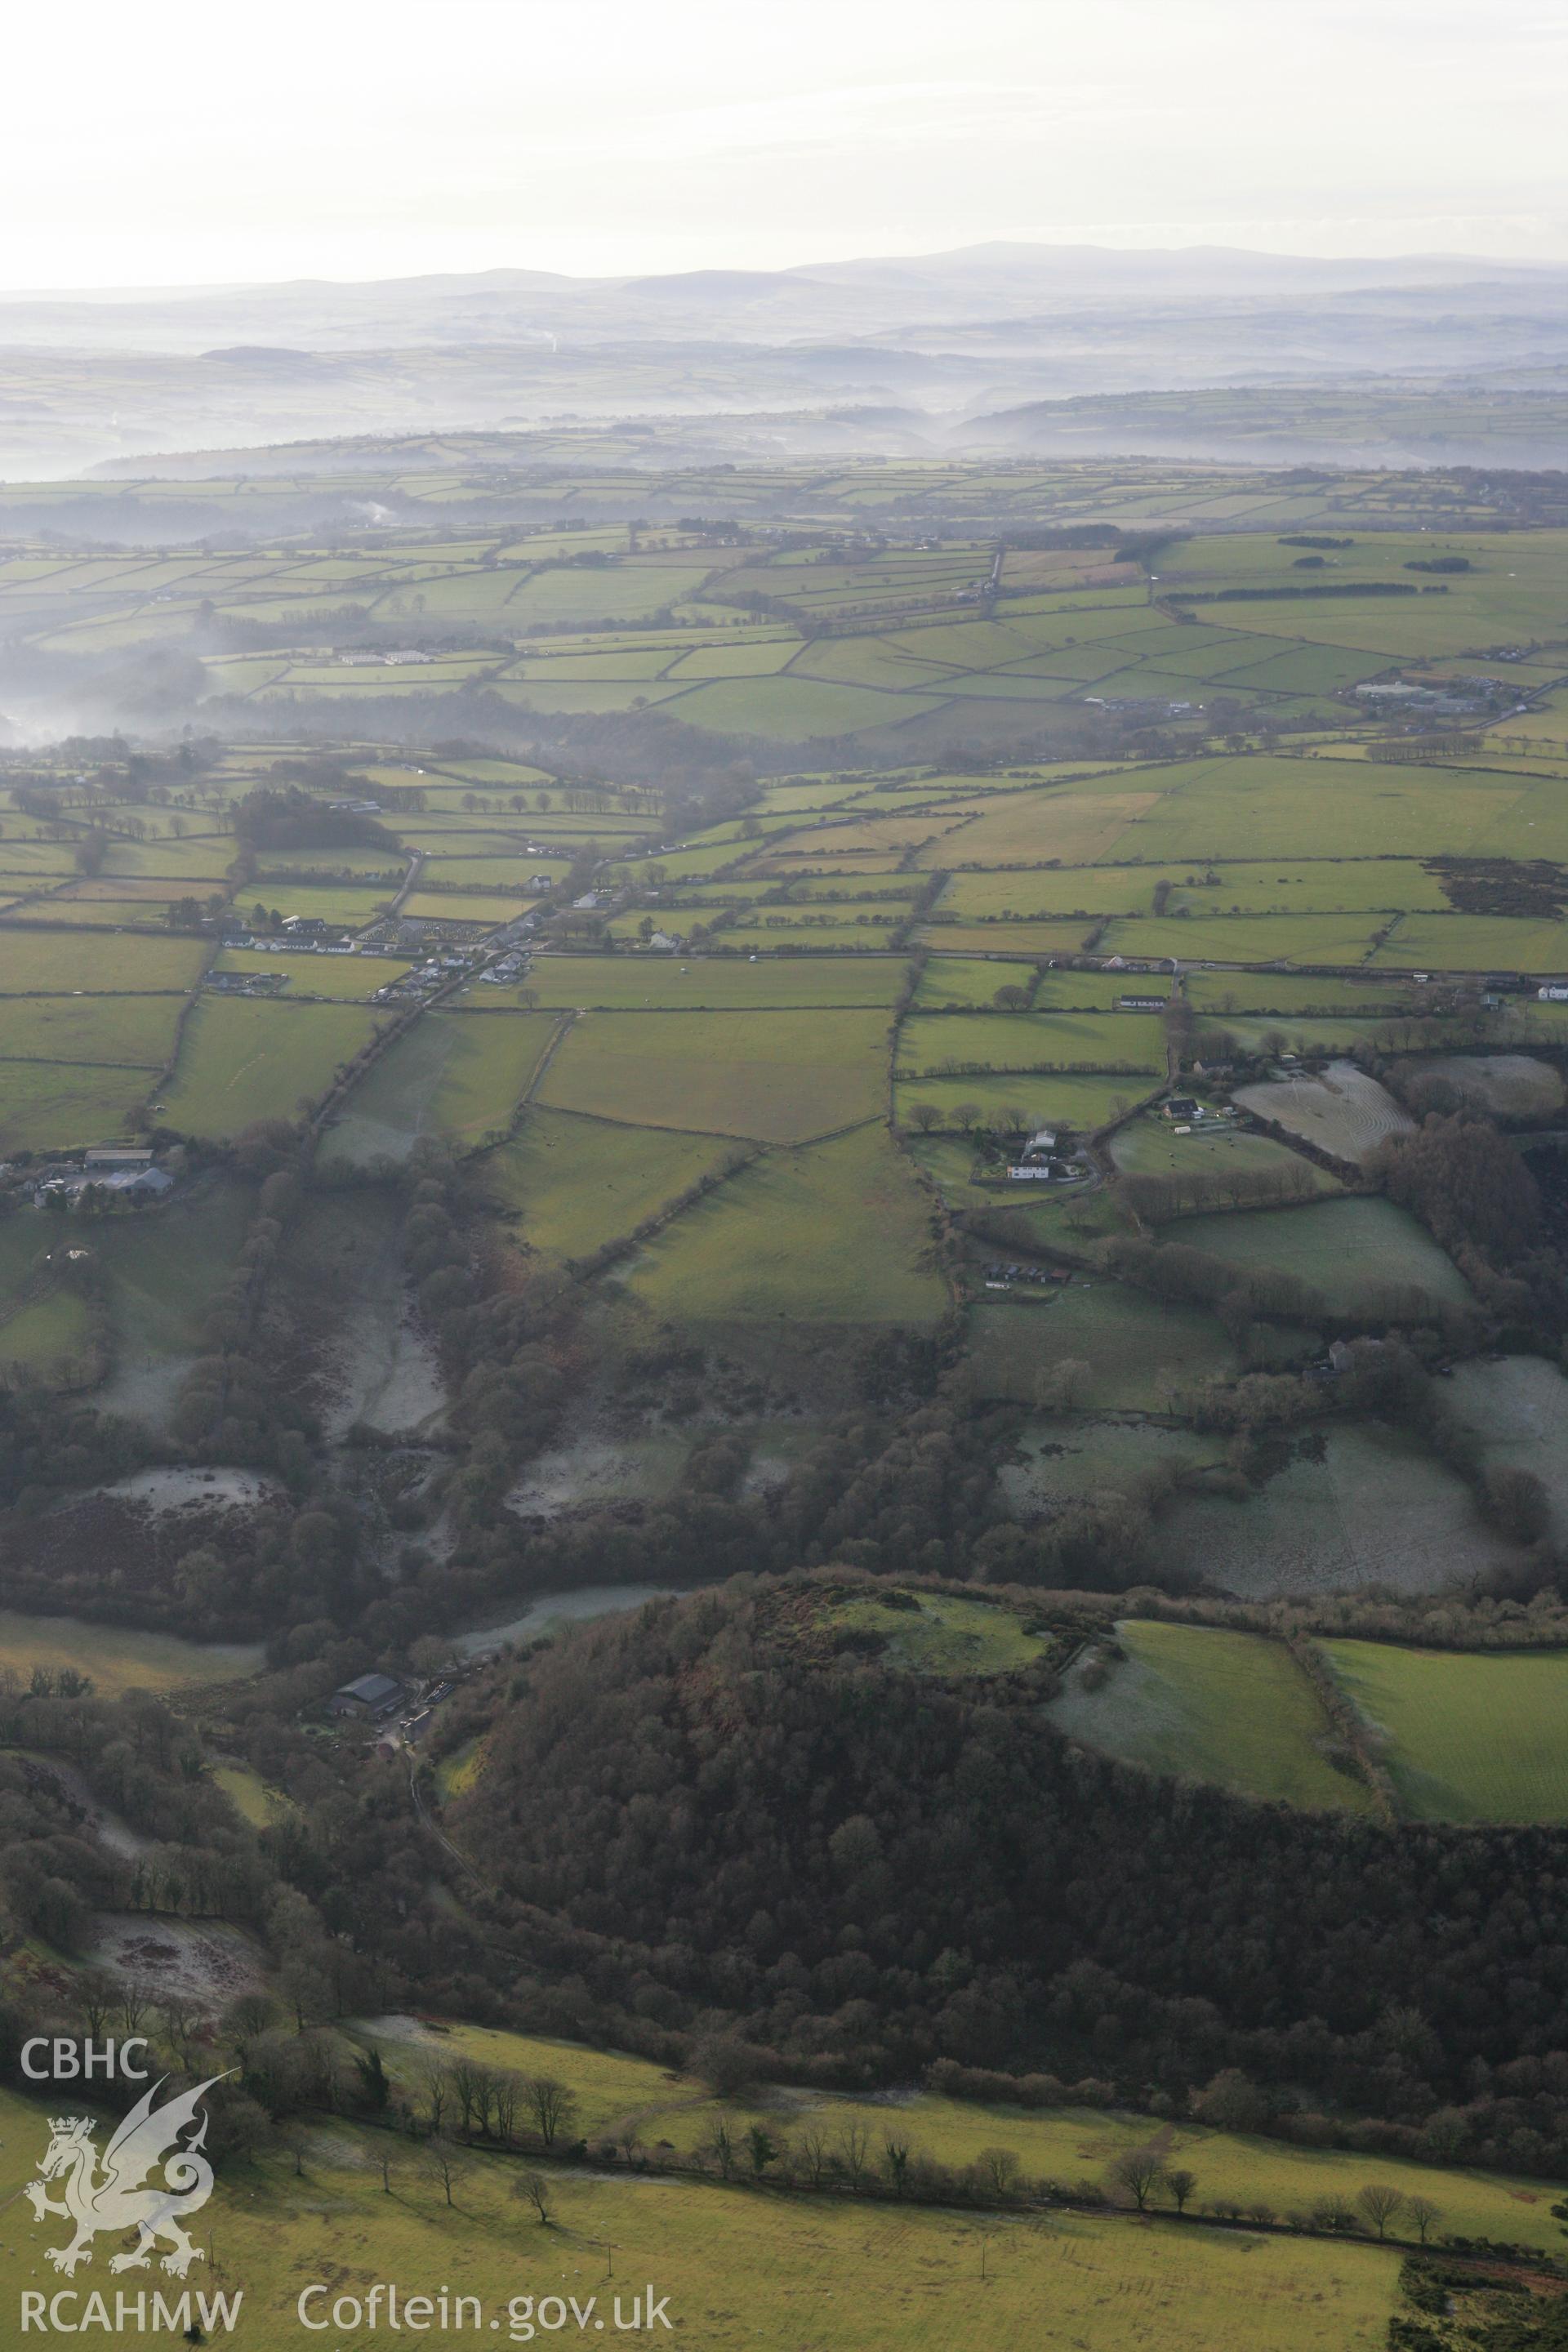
{"x":74,"y":2061}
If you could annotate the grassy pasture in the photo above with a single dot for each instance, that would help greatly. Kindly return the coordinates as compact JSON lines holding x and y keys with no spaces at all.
{"x":949,"y":1162}
{"x":460,"y":1075}
{"x":187,"y":862}
{"x":118,"y":1657}
{"x":1214,"y":1706}
{"x":1502,"y":598}
{"x":575,"y":1184}
{"x":457,"y":1774}
{"x":1466,"y":1736}
{"x":1097,"y":991}
{"x":1135,"y":1350}
{"x":1341,"y":1108}
{"x":1325,"y":886}
{"x":49,"y":1106}
{"x":1337,"y":1034}
{"x":1064,"y":2144}
{"x":492,"y":871}
{"x":1075,"y":826}
{"x":340,"y":864}
{"x":1246,"y":939}
{"x":464,"y":907}
{"x":1073,"y":1099}
{"x":47,"y":1337}
{"x":1223,"y":993}
{"x":137,"y":1031}
{"x":746,"y":2274}
{"x":250,"y":1795}
{"x":347,"y":905}
{"x":836,"y":1233}
{"x":346,"y":980}
{"x":793,"y":709}
{"x":240,"y":1061}
{"x":1062,"y":1456}
{"x":1084,"y":890}
{"x":1518,"y":1408}
{"x":49,"y":962}
{"x":1290,"y":807}
{"x":897,"y":831}
{"x":812,"y":934}
{"x":1027,"y":1041}
{"x":163,"y":1271}
{"x":1506,"y":1086}
{"x":626,"y":591}
{"x":896,"y":892}
{"x":779,"y":1076}
{"x":1345,"y":1249}
{"x":76,"y":913}
{"x":945,"y":1633}
{"x":967,"y":979}
{"x":1351,"y":1508}
{"x":702,"y":858}
{"x":721,"y":984}
{"x":999,"y":937}
{"x":24,"y":862}
{"x":1150,"y":1146}
{"x":1475,"y":943}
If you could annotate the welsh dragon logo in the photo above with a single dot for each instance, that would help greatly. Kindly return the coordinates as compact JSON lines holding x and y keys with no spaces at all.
{"x":121,"y":2198}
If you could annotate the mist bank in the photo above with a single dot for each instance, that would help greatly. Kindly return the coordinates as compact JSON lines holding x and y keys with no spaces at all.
{"x":857,"y":357}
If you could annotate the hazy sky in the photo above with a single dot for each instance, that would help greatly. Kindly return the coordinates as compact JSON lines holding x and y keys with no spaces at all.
{"x":169,"y":143}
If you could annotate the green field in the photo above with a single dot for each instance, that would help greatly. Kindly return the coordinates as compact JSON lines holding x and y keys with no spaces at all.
{"x":250,"y":1795}
{"x":1224,"y":992}
{"x":1344,"y":1249}
{"x":134,"y":1030}
{"x":60,"y":1106}
{"x":46,"y":1336}
{"x":485,"y":908}
{"x":1015,"y":939}
{"x":1214,"y":1706}
{"x":348,"y":905}
{"x":1070,"y":1098}
{"x":163,"y":1272}
{"x":942,"y":1634}
{"x":736,"y":2273}
{"x":672,"y":983}
{"x":573,"y":1183}
{"x":1150,"y":1146}
{"x":1475,"y":943}
{"x":969,"y":981}
{"x":49,"y":962}
{"x":119,"y":1658}
{"x":1322,"y":885}
{"x":836,"y":1233}
{"x":241,"y":1062}
{"x":1466,"y":1736}
{"x":347,"y":980}
{"x":1068,"y":2144}
{"x":779,"y":1077}
{"x":460,"y":1075}
{"x":1132,"y":1042}
{"x":1081,"y":890}
{"x":1135,"y":1352}
{"x":1247,"y":938}
{"x":1066,"y":626}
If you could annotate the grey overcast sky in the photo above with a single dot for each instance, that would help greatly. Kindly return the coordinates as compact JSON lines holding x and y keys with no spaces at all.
{"x":166,"y":143}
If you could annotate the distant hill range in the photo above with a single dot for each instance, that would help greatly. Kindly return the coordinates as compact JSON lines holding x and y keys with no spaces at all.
{"x":968,"y":290}
{"x":1013,"y":334}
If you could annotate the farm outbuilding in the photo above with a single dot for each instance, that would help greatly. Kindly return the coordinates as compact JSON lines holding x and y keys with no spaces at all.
{"x":372,"y":1696}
